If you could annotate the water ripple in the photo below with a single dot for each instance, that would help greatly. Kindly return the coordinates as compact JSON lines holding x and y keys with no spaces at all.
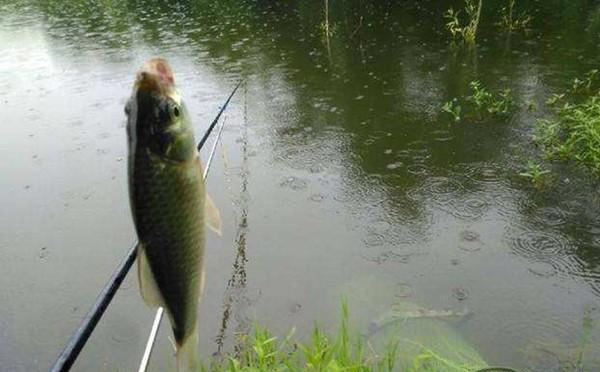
{"x":539,"y":245}
{"x":442,"y":135}
{"x":470,"y":241}
{"x":485,"y":173}
{"x":540,"y":359}
{"x":551,"y":216}
{"x":418,"y":169}
{"x":539,"y":332}
{"x":440,"y":190}
{"x":294,"y":183}
{"x":391,"y":256}
{"x":542,"y":269}
{"x":471,"y":208}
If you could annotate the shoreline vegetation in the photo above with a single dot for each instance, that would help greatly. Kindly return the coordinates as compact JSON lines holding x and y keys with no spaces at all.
{"x":573,"y":132}
{"x":261,"y":351}
{"x":404,"y":344}
{"x":349,"y":351}
{"x":570,"y":134}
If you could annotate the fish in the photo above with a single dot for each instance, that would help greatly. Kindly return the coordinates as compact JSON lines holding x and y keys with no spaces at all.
{"x":169,"y":205}
{"x":407,"y":310}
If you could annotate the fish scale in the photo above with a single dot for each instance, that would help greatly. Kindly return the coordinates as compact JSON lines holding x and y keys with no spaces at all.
{"x":169,"y":200}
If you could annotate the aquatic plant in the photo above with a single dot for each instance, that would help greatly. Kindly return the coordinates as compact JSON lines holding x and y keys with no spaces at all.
{"x":453,"y":108}
{"x":575,"y":135}
{"x":546,"y":134}
{"x":536,"y":175}
{"x":326,"y":29}
{"x":530,"y":105}
{"x":453,"y":23}
{"x":584,"y":85}
{"x":509,"y":21}
{"x":467,"y":31}
{"x":481,"y":97}
{"x":502,"y":104}
{"x":587,"y":327}
{"x":554,"y":99}
{"x":484,"y":100}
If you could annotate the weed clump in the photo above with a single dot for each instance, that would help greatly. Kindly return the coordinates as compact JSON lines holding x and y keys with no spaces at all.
{"x":495,"y":104}
{"x":536,"y":175}
{"x":574,"y":134}
{"x":481,"y":103}
{"x":467,"y":31}
{"x":511,"y":21}
{"x":261,"y":352}
{"x":453,"y":108}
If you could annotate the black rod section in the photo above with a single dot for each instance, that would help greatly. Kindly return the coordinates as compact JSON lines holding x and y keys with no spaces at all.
{"x":214,"y":122}
{"x":71,"y":351}
{"x":77,"y":341}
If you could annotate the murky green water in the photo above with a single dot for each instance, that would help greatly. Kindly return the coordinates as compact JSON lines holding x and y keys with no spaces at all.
{"x":338,"y":170}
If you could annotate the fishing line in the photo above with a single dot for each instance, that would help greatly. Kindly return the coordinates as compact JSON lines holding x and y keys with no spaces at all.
{"x":237,"y":282}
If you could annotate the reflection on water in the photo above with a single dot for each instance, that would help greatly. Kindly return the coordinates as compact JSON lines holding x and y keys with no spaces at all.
{"x":342,"y":158}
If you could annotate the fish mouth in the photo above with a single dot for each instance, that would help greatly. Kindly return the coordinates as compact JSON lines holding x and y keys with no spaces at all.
{"x":156,"y":77}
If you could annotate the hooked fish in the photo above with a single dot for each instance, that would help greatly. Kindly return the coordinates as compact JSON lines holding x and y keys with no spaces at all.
{"x":168,"y":203}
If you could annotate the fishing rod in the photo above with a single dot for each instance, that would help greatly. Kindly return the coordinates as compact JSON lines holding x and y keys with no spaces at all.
{"x":214,"y":122}
{"x":160,"y":311}
{"x":69,"y":354}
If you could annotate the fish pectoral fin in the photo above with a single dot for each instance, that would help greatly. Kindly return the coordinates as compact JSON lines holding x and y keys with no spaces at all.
{"x":212,"y":215}
{"x":148,"y":288}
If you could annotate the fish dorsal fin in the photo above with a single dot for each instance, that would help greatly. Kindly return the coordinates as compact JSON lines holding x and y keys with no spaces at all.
{"x":148,"y":288}
{"x":212,"y":215}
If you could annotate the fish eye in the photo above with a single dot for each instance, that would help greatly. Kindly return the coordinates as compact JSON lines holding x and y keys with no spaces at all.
{"x":127,"y":109}
{"x":174,"y":109}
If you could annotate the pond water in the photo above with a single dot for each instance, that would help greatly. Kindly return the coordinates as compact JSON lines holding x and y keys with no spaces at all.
{"x":338,"y":169}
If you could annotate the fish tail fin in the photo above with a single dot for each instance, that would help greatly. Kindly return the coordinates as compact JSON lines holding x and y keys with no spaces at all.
{"x":187,"y":354}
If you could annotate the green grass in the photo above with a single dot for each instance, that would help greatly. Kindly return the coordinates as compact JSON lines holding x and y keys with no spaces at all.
{"x":345,"y":351}
{"x":574,"y":135}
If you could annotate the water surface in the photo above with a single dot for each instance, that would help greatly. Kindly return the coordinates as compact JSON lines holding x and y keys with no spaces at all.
{"x":338,"y":170}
